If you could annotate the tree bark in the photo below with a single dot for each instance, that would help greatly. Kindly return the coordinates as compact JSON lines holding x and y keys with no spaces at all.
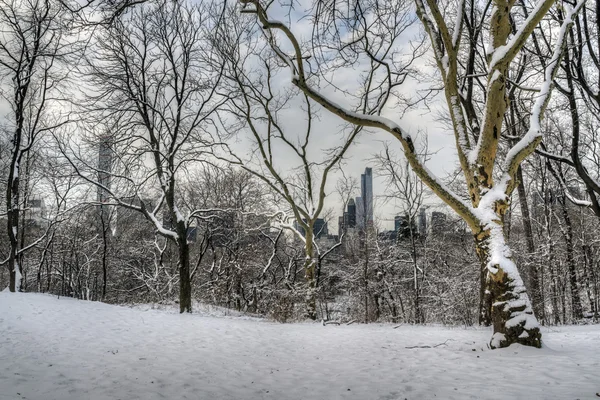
{"x":185,"y":283}
{"x":511,"y":312}
{"x":532,"y":271}
{"x":12,"y":226}
{"x":311,"y":301}
{"x":576,"y":307}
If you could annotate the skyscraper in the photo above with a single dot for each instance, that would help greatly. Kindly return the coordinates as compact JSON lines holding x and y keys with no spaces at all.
{"x":360,"y":213}
{"x":366,"y":191}
{"x":422,"y":222}
{"x":351,"y":214}
{"x":320,"y":228}
{"x":104,"y":167}
{"x":438,"y":222}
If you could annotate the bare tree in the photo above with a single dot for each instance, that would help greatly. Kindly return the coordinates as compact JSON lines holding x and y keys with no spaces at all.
{"x":32,"y":44}
{"x":152,"y":90}
{"x":477,"y":139}
{"x":282,"y":153}
{"x":408,"y":190}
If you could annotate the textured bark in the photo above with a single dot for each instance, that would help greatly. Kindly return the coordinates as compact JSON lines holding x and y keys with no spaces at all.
{"x":310,"y":264}
{"x":485,"y":305}
{"x":185,"y":287}
{"x":503,"y":291}
{"x":532,"y":271}
{"x":510,"y":311}
{"x":12,"y":227}
{"x":105,"y":226}
{"x":576,"y":307}
{"x":185,"y":283}
{"x":311,"y":299}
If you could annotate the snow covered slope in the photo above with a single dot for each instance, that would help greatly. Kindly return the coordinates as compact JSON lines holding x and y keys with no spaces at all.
{"x":68,"y":349}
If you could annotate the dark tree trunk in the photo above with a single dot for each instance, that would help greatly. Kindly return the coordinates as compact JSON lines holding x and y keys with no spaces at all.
{"x":185,"y":284}
{"x":532,"y":272}
{"x":577,"y":309}
{"x":105,"y":226}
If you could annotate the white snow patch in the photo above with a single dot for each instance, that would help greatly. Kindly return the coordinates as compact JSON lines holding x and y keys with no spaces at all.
{"x":66,"y":349}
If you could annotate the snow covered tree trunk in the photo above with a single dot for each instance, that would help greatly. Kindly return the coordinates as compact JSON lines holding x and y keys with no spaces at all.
{"x":485,"y":305}
{"x":12,"y":220}
{"x":511,"y":313}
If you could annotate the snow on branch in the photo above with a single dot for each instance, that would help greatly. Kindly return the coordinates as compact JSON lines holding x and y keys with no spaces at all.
{"x":533,"y":137}
{"x":505,"y":54}
{"x":365,"y":120}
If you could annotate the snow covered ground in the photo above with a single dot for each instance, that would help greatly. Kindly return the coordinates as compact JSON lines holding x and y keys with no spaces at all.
{"x":67,"y":349}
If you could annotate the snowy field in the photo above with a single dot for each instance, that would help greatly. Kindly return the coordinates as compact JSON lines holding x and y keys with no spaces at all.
{"x":67,"y":349}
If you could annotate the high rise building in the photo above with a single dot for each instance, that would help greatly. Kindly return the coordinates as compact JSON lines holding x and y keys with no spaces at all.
{"x":438,"y":222}
{"x":319,"y":228}
{"x":398,"y":220}
{"x":350,"y":215}
{"x":360,"y":213}
{"x":366,"y":191}
{"x":104,"y":167}
{"x":422,"y":222}
{"x":348,"y":219}
{"x":404,"y":225}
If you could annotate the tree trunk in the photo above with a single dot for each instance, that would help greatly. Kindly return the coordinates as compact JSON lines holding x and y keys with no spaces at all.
{"x":418,"y":315}
{"x":105,"y":226}
{"x":577,"y":309}
{"x":485,"y":305}
{"x":532,"y":271}
{"x":310,"y":269}
{"x":311,"y":300}
{"x":588,"y":267}
{"x":185,"y":284}
{"x":511,"y":312}
{"x":12,"y":225}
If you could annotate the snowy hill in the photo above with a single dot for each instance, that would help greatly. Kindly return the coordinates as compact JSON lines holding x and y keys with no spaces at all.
{"x":66,"y":349}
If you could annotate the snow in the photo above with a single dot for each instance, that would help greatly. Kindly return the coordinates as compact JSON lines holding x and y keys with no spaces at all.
{"x":543,"y":98}
{"x":70,"y":350}
{"x":458,"y":23}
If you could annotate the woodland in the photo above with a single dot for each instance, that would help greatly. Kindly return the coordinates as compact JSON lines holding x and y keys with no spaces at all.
{"x":182,"y":153}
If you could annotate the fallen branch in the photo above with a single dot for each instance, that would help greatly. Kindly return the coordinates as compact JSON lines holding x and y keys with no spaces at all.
{"x":428,"y":347}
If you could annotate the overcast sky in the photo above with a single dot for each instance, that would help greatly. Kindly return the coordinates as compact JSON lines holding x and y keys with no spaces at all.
{"x":369,"y":143}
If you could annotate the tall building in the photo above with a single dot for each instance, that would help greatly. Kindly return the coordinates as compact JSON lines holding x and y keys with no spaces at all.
{"x":398,"y":220}
{"x":438,"y":222}
{"x":403,"y":225}
{"x":351,"y":214}
{"x":422,"y":222}
{"x":348,"y":219}
{"x":366,"y":192}
{"x":319,"y":228}
{"x":36,"y":212}
{"x":104,"y":167}
{"x":360,"y":213}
